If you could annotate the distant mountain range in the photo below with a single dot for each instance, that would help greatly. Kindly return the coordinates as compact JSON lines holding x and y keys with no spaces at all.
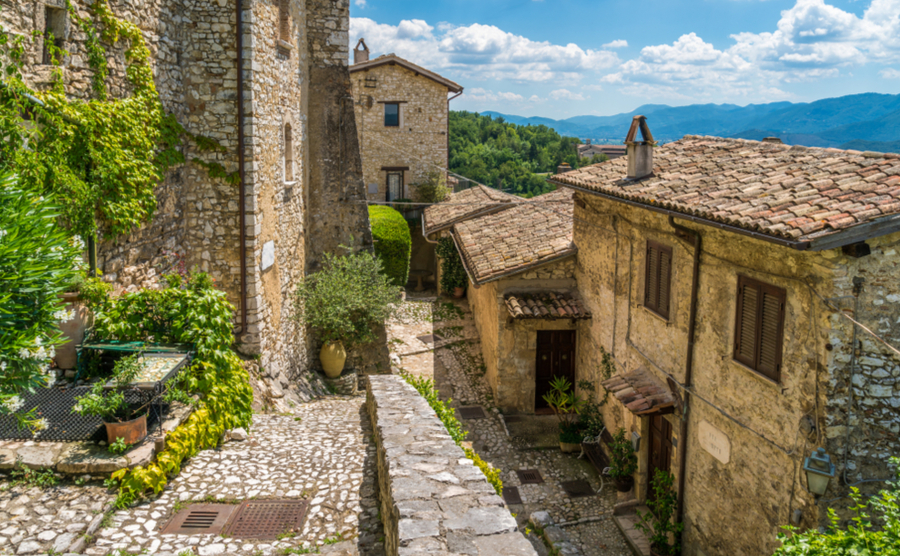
{"x":868,"y":122}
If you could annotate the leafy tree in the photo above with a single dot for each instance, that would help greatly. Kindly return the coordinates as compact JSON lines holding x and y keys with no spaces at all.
{"x":38,"y":261}
{"x":861,"y":537}
{"x":491,"y":151}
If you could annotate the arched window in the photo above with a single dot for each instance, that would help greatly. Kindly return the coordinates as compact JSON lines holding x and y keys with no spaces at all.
{"x":288,"y":154}
{"x":284,"y":20}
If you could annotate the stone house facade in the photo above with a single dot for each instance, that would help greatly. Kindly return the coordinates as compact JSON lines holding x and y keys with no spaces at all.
{"x":402,"y":114}
{"x":276,"y":119}
{"x":792,"y":243}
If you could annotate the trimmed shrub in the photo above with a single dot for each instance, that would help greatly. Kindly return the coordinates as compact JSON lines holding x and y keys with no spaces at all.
{"x":393,"y":243}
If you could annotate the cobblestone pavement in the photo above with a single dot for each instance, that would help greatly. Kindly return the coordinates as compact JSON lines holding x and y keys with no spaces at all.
{"x":457,"y":370}
{"x":322,"y":452}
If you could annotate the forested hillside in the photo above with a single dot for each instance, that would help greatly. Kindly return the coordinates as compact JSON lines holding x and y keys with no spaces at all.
{"x":489,"y":150}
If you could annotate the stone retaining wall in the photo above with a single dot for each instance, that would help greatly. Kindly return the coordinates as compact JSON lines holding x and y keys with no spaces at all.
{"x":433,"y":499}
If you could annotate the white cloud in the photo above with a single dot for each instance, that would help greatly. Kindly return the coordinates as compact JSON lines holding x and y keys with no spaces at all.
{"x":359,"y":3}
{"x":481,"y":51}
{"x":890,"y":73}
{"x":619,"y":43}
{"x":565,"y":94}
{"x":484,"y":95}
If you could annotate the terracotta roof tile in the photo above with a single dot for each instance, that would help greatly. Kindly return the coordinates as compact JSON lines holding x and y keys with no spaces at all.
{"x":797,"y":193}
{"x":544,"y":305}
{"x":640,"y":391}
{"x":522,"y":237}
{"x":466,"y":204}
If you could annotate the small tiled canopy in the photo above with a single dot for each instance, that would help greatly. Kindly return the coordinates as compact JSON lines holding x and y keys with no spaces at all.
{"x":546,"y":305}
{"x":641,"y":392}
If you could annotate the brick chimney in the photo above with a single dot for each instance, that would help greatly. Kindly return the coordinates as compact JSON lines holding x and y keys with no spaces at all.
{"x":775,"y":140}
{"x":640,"y":153}
{"x":563,"y":168}
{"x":361,"y":55}
{"x":587,"y":142}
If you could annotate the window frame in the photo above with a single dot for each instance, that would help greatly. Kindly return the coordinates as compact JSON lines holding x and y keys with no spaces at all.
{"x":386,"y":104}
{"x":284,"y":21}
{"x":387,"y":182}
{"x":755,"y":364}
{"x":663,"y":312}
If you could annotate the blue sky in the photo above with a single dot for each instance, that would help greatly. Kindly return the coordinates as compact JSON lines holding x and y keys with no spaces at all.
{"x":561,"y":58}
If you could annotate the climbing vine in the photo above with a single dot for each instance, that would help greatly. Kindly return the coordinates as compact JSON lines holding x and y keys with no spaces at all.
{"x":101,"y":158}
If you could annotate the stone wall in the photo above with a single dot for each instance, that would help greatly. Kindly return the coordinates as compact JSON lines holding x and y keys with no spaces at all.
{"x":433,"y":499}
{"x":419,"y":143}
{"x":509,"y":347}
{"x":736,"y":500}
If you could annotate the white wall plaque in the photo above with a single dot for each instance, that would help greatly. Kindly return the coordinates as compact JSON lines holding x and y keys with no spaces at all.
{"x":268,"y":255}
{"x":715,"y":442}
{"x":373,"y":189}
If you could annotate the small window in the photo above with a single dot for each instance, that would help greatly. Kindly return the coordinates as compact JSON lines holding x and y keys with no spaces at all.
{"x":288,"y":154}
{"x":284,"y":20}
{"x":394,"y":186}
{"x":392,"y":114}
{"x":54,"y":34}
{"x":759,"y":331}
{"x":658,"y":279}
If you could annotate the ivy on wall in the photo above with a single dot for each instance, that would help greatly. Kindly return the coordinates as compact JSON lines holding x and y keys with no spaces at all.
{"x":102,"y":158}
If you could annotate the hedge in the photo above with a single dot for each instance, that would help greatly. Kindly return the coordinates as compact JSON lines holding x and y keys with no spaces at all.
{"x":393,"y":242}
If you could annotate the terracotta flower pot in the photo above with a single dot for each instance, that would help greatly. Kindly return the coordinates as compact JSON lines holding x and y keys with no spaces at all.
{"x":568,"y":447}
{"x":73,"y":329}
{"x":131,"y":432}
{"x":459,"y":292}
{"x":333,"y":356}
{"x":624,"y":484}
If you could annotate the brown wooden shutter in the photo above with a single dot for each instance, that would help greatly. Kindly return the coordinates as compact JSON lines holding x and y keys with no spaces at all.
{"x":658,"y":275}
{"x":759,"y":327}
{"x":284,"y":20}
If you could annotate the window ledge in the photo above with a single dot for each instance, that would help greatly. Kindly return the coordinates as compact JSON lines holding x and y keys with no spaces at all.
{"x":284,"y":47}
{"x":654,"y":314}
{"x":292,"y":183}
{"x":759,"y":376}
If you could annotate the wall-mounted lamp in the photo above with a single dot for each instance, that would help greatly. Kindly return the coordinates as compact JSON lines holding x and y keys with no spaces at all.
{"x":819,"y":471}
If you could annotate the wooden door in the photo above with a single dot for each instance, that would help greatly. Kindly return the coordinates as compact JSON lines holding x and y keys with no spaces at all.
{"x":555,"y":357}
{"x":660,"y":448}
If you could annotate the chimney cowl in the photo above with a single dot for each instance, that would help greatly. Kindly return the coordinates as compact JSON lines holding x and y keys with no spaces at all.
{"x":361,"y":55}
{"x":563,"y":168}
{"x":640,"y":153}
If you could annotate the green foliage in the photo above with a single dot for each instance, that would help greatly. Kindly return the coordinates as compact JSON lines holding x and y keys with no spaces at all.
{"x":565,"y":404}
{"x":432,"y":189}
{"x":38,"y":261}
{"x":393,"y":243}
{"x":658,"y":523}
{"x":94,"y":291}
{"x":861,"y":537}
{"x":346,"y":298}
{"x":109,"y":404}
{"x":41,"y":478}
{"x":425,"y":387}
{"x":119,"y":446}
{"x":624,"y":460}
{"x":453,"y":273}
{"x":192,"y":312}
{"x":486,"y":150}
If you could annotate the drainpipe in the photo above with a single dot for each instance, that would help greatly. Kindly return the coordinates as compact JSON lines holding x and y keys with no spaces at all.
{"x":239,"y":40}
{"x":448,"y":133}
{"x":689,"y":363}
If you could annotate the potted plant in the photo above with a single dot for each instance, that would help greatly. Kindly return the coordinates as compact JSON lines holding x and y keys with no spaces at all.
{"x":658,"y":524}
{"x":453,"y":274}
{"x":107,"y":401}
{"x":343,"y":302}
{"x":624,"y":462}
{"x":565,"y":405}
{"x":82,"y":294}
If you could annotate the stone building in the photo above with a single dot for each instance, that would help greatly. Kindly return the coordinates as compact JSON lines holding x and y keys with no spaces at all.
{"x":722,"y":276}
{"x":265,"y":79}
{"x":402,"y":114}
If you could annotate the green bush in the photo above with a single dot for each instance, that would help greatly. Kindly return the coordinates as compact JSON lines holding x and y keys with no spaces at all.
{"x":393,"y":243}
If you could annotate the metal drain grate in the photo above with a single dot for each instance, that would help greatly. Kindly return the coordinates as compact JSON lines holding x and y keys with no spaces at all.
{"x":530,"y":476}
{"x":430,"y":338}
{"x":511,"y":495}
{"x":474,"y":412}
{"x":267,"y":519}
{"x":578,"y":489}
{"x":200,"y":519}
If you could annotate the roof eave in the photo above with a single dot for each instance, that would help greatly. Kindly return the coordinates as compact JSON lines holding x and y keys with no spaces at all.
{"x":478,"y":283}
{"x":452,"y":86}
{"x":793,"y":244}
{"x":499,"y":207}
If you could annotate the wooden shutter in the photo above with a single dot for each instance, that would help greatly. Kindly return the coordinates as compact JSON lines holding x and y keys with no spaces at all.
{"x":657,"y":283}
{"x":759,"y":328}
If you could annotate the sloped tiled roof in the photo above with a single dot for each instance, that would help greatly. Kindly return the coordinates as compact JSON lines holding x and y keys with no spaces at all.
{"x":452,"y":86}
{"x":640,"y":391}
{"x":794,"y":193}
{"x":522,"y":237}
{"x":546,"y":305}
{"x":467,"y":203}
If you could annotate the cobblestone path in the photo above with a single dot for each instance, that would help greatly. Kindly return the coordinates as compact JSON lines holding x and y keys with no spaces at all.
{"x":456,"y":367}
